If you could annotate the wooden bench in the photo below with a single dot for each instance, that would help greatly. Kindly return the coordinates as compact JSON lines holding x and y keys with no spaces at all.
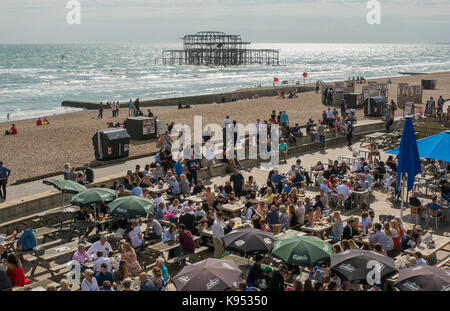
{"x":197,"y":252}
{"x":444,"y":262}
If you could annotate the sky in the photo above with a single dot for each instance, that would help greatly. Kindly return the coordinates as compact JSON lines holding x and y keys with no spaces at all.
{"x":274,"y":21}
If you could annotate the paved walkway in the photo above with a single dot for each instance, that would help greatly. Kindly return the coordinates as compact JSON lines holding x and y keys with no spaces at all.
{"x":35,"y":187}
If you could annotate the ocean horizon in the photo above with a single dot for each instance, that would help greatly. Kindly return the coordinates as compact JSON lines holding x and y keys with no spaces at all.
{"x":35,"y":79}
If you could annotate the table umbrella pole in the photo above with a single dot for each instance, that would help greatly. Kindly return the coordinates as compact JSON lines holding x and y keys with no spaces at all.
{"x":402,"y":190}
{"x":63,"y":200}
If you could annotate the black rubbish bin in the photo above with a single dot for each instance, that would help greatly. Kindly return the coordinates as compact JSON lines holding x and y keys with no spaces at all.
{"x":375,"y":107}
{"x":140,"y":128}
{"x":353,"y":100}
{"x":111,"y":144}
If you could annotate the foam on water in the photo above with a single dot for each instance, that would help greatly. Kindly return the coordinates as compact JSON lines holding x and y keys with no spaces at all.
{"x":34,"y":80}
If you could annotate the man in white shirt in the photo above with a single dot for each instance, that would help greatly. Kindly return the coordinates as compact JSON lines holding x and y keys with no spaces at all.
{"x":344,"y":190}
{"x":100,"y":259}
{"x":226,"y":121}
{"x":101,"y":245}
{"x":217,"y":231}
{"x":292,"y":173}
{"x":158,"y":200}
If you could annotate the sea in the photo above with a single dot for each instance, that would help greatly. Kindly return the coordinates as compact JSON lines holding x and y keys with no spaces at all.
{"x":35,"y":79}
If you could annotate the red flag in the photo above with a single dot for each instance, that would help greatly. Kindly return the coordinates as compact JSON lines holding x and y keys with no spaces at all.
{"x":275,"y":79}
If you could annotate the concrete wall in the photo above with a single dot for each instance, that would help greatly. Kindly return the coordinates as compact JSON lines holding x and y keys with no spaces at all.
{"x":200,"y":99}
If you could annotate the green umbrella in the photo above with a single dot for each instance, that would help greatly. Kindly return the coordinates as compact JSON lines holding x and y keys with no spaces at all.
{"x":93,"y":197}
{"x":65,"y":186}
{"x":131,"y":206}
{"x":306,"y":251}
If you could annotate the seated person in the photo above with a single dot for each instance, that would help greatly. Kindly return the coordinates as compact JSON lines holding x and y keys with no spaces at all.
{"x":414,"y":201}
{"x":296,"y":130}
{"x":15,"y":271}
{"x":103,"y":275}
{"x":27,"y":241}
{"x":88,"y":174}
{"x":435,"y":206}
{"x":39,"y":122}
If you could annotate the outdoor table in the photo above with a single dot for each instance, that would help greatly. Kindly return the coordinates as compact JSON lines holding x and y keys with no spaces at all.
{"x":322,"y":227}
{"x":361,"y":197}
{"x":429,"y":254}
{"x":425,"y":181}
{"x":365,"y":151}
{"x":244,"y":264}
{"x":206,"y":234}
{"x":44,"y":232}
{"x":163,"y":247}
{"x":39,"y":286}
{"x":156,"y":190}
{"x":372,"y":138}
{"x":350,"y":160}
{"x":363,"y":241}
{"x":232,"y":210}
{"x":288,"y":233}
{"x":194,"y":198}
{"x":54,"y":253}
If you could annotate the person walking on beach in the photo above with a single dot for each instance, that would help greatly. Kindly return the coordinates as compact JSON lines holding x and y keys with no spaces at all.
{"x":4,"y":175}
{"x":100,"y":111}
{"x":136,"y":106}
{"x":130,"y":108}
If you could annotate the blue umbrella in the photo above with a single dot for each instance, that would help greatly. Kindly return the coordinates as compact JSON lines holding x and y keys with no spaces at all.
{"x":433,"y":147}
{"x":408,"y":158}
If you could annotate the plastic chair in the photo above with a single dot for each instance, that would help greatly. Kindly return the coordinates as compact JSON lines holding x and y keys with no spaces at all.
{"x":414,"y":210}
{"x":433,"y":214}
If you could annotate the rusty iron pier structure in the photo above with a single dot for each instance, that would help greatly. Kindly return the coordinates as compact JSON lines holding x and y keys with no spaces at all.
{"x":211,"y":48}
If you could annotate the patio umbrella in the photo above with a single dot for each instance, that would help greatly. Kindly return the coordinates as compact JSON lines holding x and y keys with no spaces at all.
{"x":208,"y":275}
{"x":249,"y":241}
{"x":362,"y":265}
{"x":433,"y":147}
{"x":408,"y":160}
{"x":306,"y":251}
{"x":65,"y":186}
{"x":131,"y":206}
{"x":93,"y":197}
{"x":423,"y":278}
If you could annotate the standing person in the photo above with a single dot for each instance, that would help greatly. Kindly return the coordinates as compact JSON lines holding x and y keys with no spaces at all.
{"x":100,"y":111}
{"x":193,"y":166}
{"x":349,"y":133}
{"x":238,"y":182}
{"x":112,"y":105}
{"x":130,"y":107}
{"x":284,"y":118}
{"x":322,"y":134}
{"x":4,"y":175}
{"x":117,"y":108}
{"x":218,"y":234}
{"x":136,"y":106}
{"x":342,"y":105}
{"x":209,"y":155}
{"x":440,"y":107}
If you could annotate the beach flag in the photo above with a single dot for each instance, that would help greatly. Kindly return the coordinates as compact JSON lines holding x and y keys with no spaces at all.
{"x":275,"y":79}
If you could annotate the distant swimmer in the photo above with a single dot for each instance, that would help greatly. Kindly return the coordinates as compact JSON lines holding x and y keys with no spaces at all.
{"x":62,"y":57}
{"x":7,"y":116}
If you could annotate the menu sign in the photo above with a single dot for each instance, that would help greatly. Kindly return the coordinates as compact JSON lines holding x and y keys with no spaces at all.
{"x":429,"y":108}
